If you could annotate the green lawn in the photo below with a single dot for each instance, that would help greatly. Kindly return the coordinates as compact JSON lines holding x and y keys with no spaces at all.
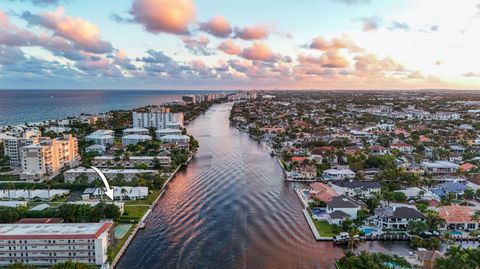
{"x":134,"y":213}
{"x":9,"y":177}
{"x":324,"y":228}
{"x":150,"y":198}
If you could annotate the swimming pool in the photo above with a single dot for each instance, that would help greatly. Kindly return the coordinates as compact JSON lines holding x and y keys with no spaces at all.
{"x":456,"y":233}
{"x":319,"y":213}
{"x":368,"y":230}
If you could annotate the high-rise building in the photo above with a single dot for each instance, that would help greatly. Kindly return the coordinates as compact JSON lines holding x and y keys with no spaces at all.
{"x":46,"y":244}
{"x":12,"y":146}
{"x":47,"y":157}
{"x":157,"y":120}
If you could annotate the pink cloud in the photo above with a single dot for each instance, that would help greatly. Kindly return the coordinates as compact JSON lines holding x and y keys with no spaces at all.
{"x":256,"y":32}
{"x":85,"y":35}
{"x":217,"y":26}
{"x":259,"y":52}
{"x":168,"y":16}
{"x":326,"y":60}
{"x":342,"y":42}
{"x":230,"y":47}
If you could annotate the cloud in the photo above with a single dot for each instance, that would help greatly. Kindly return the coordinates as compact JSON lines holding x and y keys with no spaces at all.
{"x":430,"y":28}
{"x":337,"y":43}
{"x":164,"y":16}
{"x":83,"y":34}
{"x":217,"y":26}
{"x":395,"y":25}
{"x":327,"y":60}
{"x":259,"y":52}
{"x":155,"y":57}
{"x":197,"y":45}
{"x":230,"y":47}
{"x":117,"y":18}
{"x":256,"y":32}
{"x":371,"y":23}
{"x":471,"y":75}
{"x":120,"y":58}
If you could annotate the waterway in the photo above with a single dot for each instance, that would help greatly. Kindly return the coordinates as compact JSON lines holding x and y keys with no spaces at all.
{"x":230,"y":208}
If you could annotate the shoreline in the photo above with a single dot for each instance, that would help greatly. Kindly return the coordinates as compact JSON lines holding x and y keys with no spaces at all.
{"x":147,"y":213}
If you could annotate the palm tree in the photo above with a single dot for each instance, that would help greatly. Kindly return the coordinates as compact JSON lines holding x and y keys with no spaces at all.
{"x":49,"y":184}
{"x":476,"y":218}
{"x":9,"y":186}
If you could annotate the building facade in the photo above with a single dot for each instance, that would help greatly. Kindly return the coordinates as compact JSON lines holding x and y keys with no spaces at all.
{"x":157,"y":119}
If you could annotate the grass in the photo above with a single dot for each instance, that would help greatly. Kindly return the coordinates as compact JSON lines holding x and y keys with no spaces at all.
{"x":9,"y":177}
{"x":133,"y":213}
{"x":150,"y":198}
{"x":119,"y":244}
{"x":324,"y":228}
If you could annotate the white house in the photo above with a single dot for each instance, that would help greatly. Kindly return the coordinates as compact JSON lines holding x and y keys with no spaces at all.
{"x":336,"y":174}
{"x":439,"y":168}
{"x":135,"y":139}
{"x":175,"y":139}
{"x":341,"y":205}
{"x":99,"y":149}
{"x":396,"y":217}
{"x":101,"y":137}
{"x":163,"y":132}
{"x":364,"y":189}
{"x":135,"y":131}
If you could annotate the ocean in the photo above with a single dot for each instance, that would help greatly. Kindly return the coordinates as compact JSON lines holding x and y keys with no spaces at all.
{"x":26,"y":106}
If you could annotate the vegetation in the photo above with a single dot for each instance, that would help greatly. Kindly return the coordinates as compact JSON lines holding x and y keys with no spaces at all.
{"x":366,"y":260}
{"x":325,"y":229}
{"x":459,"y":258}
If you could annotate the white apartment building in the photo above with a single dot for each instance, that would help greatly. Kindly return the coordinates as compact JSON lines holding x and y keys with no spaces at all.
{"x":135,"y":131}
{"x":127,"y":174}
{"x":163,"y":132}
{"x":12,"y":146}
{"x":102,"y":137}
{"x":338,"y":174}
{"x":48,"y":157}
{"x":130,"y":162}
{"x":46,"y":244}
{"x":135,"y":139}
{"x":175,"y":139}
{"x":157,"y":120}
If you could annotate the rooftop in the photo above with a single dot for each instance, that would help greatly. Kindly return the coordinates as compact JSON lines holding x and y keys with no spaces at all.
{"x":53,"y":230}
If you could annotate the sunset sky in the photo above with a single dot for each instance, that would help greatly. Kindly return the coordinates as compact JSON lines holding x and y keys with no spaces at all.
{"x":206,"y":44}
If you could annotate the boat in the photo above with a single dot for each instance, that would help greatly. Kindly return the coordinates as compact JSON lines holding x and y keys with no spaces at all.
{"x":142,"y":225}
{"x":272,"y":153}
{"x":341,"y":238}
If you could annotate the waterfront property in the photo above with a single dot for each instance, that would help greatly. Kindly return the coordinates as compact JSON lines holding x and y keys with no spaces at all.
{"x":134,"y":139}
{"x":341,"y":207}
{"x":119,"y":193}
{"x":131,"y":162}
{"x":364,"y":189}
{"x":46,"y":244}
{"x":396,"y":217}
{"x":336,"y":174}
{"x":457,"y":218}
{"x":127,"y":174}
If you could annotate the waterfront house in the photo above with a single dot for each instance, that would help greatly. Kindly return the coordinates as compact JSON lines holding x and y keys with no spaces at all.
{"x":457,"y":218}
{"x":364,"y":189}
{"x":175,"y":139}
{"x":426,"y":258}
{"x":321,"y":192}
{"x":417,"y":193}
{"x":126,"y":174}
{"x":396,"y":217}
{"x":130,"y":162}
{"x":337,"y":174}
{"x":163,"y":132}
{"x":343,"y":204}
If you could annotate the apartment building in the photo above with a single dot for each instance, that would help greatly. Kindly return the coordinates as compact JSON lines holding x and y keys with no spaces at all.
{"x":12,"y":146}
{"x":46,"y":244}
{"x":102,"y":137}
{"x":134,"y":139}
{"x":48,"y":157}
{"x":159,"y":119}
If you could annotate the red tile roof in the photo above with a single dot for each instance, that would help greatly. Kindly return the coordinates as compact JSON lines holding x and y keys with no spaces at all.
{"x":456,"y":214}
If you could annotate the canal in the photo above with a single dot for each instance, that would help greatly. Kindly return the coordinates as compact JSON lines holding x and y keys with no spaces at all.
{"x":229,"y":209}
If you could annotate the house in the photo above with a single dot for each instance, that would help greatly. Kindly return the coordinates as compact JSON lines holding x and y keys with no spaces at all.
{"x":466,"y":167}
{"x":396,"y":217}
{"x":364,"y":189}
{"x":378,"y":150}
{"x":457,"y":218}
{"x":135,"y":131}
{"x":443,"y":189}
{"x":336,"y":174}
{"x":417,"y":193}
{"x":321,"y":192}
{"x":426,"y":258}
{"x":99,"y":149}
{"x":134,"y":139}
{"x":123,"y":193}
{"x":440,"y":168}
{"x":341,"y":205}
{"x":101,"y":137}
{"x":402,"y":147}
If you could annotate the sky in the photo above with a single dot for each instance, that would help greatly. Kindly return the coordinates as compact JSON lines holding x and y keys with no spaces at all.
{"x":248,"y":44}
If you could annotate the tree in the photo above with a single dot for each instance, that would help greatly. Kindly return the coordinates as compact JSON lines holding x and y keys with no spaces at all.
{"x":73,"y":265}
{"x":366,"y":260}
{"x":417,"y":227}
